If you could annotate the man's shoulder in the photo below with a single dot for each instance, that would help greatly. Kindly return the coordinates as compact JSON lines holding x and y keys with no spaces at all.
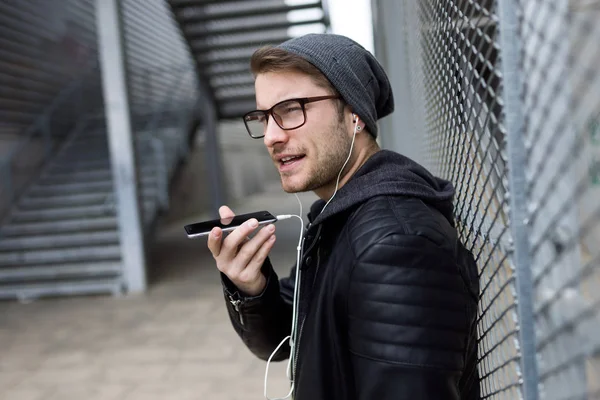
{"x":393,"y":218}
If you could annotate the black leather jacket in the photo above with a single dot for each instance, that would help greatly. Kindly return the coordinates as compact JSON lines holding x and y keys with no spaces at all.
{"x":388,"y":298}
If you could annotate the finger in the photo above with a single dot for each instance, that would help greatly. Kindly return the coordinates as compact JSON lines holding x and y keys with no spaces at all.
{"x":251,"y":247}
{"x":260,"y":256}
{"x":215,"y":241}
{"x":226,"y":212}
{"x":238,"y":236}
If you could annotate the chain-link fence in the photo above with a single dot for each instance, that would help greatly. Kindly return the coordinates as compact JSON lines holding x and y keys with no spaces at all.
{"x":505,"y":102}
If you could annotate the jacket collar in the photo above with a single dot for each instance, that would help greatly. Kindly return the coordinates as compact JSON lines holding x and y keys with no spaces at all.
{"x":388,"y":173}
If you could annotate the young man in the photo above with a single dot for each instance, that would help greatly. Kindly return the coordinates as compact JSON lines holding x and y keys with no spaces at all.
{"x":388,"y":294}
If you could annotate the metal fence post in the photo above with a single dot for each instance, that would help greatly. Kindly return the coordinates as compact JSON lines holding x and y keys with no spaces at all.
{"x":510,"y":48}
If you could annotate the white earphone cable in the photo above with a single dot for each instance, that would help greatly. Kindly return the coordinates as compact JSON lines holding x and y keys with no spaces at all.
{"x":337,"y":183}
{"x":295,"y":309}
{"x":296,"y":304}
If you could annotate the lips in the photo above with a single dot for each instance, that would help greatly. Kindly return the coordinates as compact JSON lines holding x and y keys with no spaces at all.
{"x":289,"y":161}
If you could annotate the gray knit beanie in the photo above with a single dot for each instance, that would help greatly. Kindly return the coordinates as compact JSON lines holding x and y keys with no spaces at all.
{"x":352,"y":70}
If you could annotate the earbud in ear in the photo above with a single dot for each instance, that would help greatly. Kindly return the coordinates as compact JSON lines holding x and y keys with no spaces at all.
{"x":354,"y":118}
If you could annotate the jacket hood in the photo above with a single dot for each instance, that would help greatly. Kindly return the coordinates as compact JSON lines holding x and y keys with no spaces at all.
{"x":388,"y":173}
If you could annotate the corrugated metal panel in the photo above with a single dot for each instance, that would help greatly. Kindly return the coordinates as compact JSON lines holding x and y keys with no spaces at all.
{"x":46,"y":44}
{"x":43,"y":46}
{"x":158,"y":59}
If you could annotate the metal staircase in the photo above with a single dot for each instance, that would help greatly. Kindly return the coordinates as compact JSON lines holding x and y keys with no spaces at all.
{"x":61,"y":237}
{"x":223,"y":34}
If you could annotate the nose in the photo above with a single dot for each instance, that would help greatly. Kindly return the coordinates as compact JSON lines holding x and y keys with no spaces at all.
{"x":274,"y":134}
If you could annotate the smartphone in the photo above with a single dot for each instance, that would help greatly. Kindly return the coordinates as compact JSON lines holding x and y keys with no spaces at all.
{"x":227,"y":224}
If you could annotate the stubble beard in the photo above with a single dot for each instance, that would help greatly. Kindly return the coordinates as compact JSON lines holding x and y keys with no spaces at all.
{"x":325,"y":170}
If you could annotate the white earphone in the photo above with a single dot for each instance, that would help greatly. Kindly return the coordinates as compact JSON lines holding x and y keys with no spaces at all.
{"x":355,"y":119}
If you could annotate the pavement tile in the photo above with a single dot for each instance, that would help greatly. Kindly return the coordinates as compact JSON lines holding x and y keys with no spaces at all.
{"x":63,"y":376}
{"x":9,"y":379}
{"x":13,"y":360}
{"x":138,"y":354}
{"x":160,"y":391}
{"x":92,"y":391}
{"x":25,"y":394}
{"x":193,"y":371}
{"x":67,"y":358}
{"x":135,"y":373}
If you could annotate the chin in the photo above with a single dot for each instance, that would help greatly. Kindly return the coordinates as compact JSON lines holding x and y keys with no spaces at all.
{"x":290,"y":186}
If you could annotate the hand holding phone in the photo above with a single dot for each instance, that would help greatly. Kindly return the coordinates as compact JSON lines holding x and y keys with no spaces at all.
{"x":237,"y":255}
{"x":228,"y":223}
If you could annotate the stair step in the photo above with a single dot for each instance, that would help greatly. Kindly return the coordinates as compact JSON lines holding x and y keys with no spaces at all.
{"x":60,"y":167}
{"x":57,"y":171}
{"x":104,"y":170}
{"x":47,"y":272}
{"x":76,"y":199}
{"x":105,"y":209}
{"x":79,"y":157}
{"x":23,"y":243}
{"x":86,"y":140}
{"x":75,"y":254}
{"x":50,"y":190}
{"x":53,"y":214}
{"x":148,"y":190}
{"x":99,"y":179}
{"x":61,"y":288}
{"x":97,"y":175}
{"x":59,"y":227}
{"x":80,"y":166}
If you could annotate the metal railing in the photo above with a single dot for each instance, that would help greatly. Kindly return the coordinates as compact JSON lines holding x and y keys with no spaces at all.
{"x":42,"y":128}
{"x":504,"y":97}
{"x":172,"y":113}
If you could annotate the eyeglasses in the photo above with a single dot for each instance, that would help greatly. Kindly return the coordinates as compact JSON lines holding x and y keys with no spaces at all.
{"x":288,"y":114}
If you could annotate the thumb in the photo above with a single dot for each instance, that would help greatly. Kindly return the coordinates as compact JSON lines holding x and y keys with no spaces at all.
{"x":226,"y":212}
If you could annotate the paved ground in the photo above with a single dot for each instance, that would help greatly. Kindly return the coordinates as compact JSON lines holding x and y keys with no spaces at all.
{"x":174,"y":342}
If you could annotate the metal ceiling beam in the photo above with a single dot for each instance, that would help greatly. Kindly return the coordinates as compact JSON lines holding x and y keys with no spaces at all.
{"x":239,"y":54}
{"x":232,"y":80}
{"x":235,"y":92}
{"x":176,"y":4}
{"x":245,"y":9}
{"x":223,"y":42}
{"x":244,"y":25}
{"x":224,"y":69}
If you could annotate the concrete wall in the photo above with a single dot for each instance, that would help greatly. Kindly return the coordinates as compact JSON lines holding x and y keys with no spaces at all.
{"x":247,"y":169}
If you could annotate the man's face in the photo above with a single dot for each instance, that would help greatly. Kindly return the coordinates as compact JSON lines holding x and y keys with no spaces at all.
{"x":318,"y":148}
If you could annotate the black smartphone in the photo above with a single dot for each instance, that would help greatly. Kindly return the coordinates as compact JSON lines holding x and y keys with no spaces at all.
{"x":227,"y":224}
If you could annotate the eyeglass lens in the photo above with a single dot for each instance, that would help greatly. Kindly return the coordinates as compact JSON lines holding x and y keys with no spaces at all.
{"x":288,"y":115}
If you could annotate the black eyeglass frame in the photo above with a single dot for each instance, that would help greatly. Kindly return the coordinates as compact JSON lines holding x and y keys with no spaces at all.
{"x":302,"y":101}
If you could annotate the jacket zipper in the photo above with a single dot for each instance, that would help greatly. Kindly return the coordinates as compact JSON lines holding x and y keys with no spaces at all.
{"x":236,"y":305}
{"x":304,"y":319}
{"x":302,"y":323}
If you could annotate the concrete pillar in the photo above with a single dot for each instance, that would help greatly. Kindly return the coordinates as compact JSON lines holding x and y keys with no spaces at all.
{"x":402,"y":131}
{"x":121,"y":142}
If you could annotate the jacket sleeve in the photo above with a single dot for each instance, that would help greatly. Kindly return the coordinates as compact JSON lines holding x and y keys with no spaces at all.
{"x":409,"y":317}
{"x":262,"y":321}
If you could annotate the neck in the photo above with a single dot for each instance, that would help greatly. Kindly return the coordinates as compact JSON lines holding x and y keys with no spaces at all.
{"x":360,"y":156}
